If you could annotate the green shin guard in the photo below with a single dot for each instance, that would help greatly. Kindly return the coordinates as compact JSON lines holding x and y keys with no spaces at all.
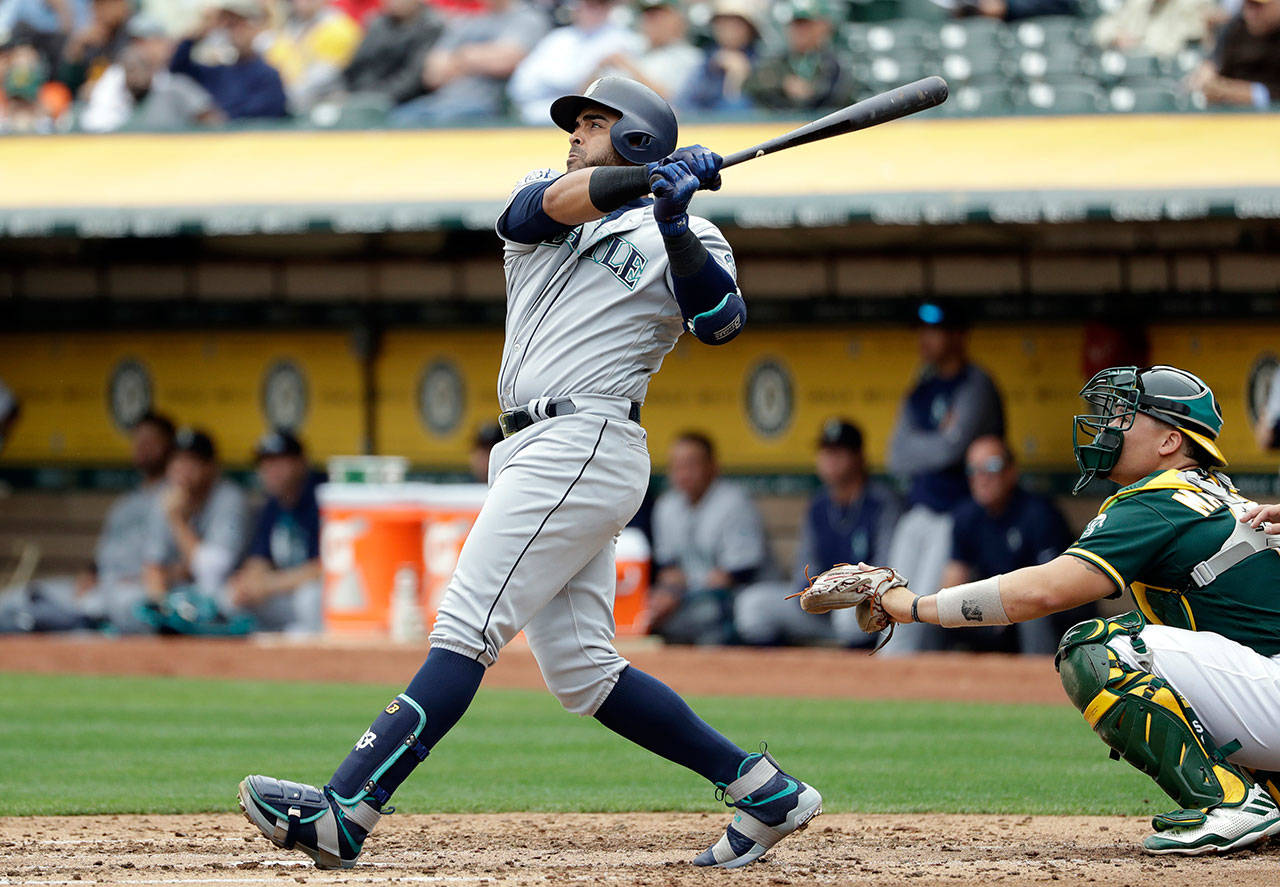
{"x":1143,"y":719}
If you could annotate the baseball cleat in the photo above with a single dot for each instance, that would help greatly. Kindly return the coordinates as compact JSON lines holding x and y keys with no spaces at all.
{"x":1216,"y":830}
{"x":771,"y":805}
{"x":302,"y":817}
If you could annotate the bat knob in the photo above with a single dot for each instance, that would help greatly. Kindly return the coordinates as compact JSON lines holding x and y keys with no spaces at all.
{"x":760,"y":153}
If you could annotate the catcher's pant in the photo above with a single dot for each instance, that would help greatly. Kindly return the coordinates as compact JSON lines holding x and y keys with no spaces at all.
{"x":919,"y":550}
{"x":541,"y":554}
{"x":1234,"y":691}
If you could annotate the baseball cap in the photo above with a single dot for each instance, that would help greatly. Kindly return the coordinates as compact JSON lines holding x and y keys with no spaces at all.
{"x":840,"y":433}
{"x":942,"y":314}
{"x":196,"y":442}
{"x":279,"y":442}
{"x":810,"y":9}
{"x":645,"y":5}
{"x":747,"y":10}
{"x":248,"y":9}
{"x":144,"y":25}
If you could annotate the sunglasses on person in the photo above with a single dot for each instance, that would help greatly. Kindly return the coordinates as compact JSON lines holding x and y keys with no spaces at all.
{"x":994,"y":465}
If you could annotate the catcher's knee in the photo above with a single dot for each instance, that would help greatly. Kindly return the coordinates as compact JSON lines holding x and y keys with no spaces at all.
{"x":1143,"y":719}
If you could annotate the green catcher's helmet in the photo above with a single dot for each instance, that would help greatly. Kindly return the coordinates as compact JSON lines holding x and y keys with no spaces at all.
{"x":1118,"y":394}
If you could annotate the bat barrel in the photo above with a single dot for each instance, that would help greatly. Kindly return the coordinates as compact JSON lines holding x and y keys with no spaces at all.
{"x":899,"y":102}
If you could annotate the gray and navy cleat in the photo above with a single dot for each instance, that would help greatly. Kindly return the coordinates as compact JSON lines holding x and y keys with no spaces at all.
{"x":302,"y":817}
{"x":771,"y":805}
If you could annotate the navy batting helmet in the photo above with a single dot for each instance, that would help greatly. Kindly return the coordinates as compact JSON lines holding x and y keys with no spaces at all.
{"x":647,"y":130}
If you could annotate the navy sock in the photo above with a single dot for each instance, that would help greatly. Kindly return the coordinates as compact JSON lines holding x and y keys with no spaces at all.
{"x":650,"y":714}
{"x":440,"y":692}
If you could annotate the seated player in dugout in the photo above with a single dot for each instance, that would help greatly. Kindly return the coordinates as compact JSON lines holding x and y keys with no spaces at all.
{"x":1186,"y":688}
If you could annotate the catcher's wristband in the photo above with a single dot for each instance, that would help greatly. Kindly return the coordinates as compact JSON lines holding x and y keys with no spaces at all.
{"x":974,"y":603}
{"x":915,"y":608}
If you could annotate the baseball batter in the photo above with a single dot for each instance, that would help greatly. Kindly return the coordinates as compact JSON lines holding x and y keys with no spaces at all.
{"x":601,"y":281}
{"x":1187,"y":688}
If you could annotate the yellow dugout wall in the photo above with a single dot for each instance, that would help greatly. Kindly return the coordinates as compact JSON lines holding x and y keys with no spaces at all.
{"x":761,"y":398}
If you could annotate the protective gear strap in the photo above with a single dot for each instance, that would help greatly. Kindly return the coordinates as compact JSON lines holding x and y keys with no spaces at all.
{"x":613,"y":186}
{"x":752,"y":781}
{"x":395,"y":732}
{"x":1243,"y":541}
{"x":974,"y":603}
{"x":1143,"y":719}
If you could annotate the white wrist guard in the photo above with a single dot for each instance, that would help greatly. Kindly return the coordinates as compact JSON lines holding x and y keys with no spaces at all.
{"x":974,"y":603}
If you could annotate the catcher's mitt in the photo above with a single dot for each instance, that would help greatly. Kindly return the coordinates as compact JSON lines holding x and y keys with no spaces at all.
{"x":853,"y":585}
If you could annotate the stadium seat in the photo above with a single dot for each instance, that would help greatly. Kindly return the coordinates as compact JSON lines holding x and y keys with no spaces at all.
{"x":1112,"y":67}
{"x":885,"y":71}
{"x":1146,"y":99}
{"x":900,"y":35}
{"x":963,"y":67}
{"x":1060,"y":98}
{"x":1054,"y":62}
{"x":980,"y":100}
{"x":1048,"y":31}
{"x":974,"y":35}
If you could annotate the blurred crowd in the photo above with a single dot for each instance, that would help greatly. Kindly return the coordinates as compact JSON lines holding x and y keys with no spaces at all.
{"x":104,"y":65}
{"x":184,"y":553}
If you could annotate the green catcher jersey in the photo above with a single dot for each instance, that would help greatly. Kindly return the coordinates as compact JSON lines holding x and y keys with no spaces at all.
{"x":1150,"y":536}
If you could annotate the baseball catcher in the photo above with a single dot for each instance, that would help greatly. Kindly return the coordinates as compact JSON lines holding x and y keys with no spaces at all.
{"x":1186,"y":688}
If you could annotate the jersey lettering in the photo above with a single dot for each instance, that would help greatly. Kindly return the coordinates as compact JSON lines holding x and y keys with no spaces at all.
{"x":620,"y":257}
{"x":1197,"y":502}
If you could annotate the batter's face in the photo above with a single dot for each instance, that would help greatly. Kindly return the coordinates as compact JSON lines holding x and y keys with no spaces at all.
{"x":589,"y":143}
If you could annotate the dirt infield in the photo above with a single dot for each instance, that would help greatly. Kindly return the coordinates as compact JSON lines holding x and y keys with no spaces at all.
{"x":652,"y":850}
{"x":599,"y":850}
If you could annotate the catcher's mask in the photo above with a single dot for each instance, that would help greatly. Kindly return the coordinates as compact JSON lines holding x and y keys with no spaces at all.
{"x":1118,"y":394}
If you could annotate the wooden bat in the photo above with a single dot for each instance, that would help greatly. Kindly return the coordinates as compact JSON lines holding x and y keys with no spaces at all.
{"x":891,"y":105}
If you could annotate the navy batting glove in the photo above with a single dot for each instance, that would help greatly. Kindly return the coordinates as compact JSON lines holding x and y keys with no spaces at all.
{"x":673,"y":187}
{"x":702,"y":162}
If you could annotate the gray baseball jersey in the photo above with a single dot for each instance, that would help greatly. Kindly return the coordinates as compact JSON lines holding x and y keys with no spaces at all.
{"x":588,"y":313}
{"x":592,"y":312}
{"x":721,"y":531}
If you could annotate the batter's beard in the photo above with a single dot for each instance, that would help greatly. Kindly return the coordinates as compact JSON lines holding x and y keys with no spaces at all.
{"x":610,"y":158}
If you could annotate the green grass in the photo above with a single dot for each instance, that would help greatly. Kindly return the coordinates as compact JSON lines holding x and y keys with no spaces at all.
{"x":73,"y":744}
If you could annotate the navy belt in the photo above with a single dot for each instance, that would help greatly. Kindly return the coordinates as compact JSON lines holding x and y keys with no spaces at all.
{"x":522,"y":417}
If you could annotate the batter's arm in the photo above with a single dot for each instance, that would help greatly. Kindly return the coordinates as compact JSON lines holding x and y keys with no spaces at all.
{"x":585,"y":195}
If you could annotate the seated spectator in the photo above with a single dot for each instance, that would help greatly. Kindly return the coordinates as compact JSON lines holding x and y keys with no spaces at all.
{"x":487,"y":437}
{"x":310,"y":49}
{"x":43,"y":24}
{"x":116,"y":587}
{"x":10,"y":410}
{"x":197,"y":531}
{"x":667,"y":61}
{"x":1013,"y":10}
{"x":809,"y":74}
{"x":91,"y":49}
{"x":139,"y":92}
{"x":565,"y":60}
{"x":708,"y":543}
{"x":24,"y":92}
{"x":953,"y":403}
{"x":1154,"y":27}
{"x":388,"y":62}
{"x":465,"y":73}
{"x":1266,"y":429}
{"x":1004,"y":528}
{"x":718,"y":85}
{"x":279,"y":583}
{"x":1245,"y":68}
{"x":243,"y":85}
{"x":850,"y":520}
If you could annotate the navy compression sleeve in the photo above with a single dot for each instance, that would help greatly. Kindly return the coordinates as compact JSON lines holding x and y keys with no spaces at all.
{"x":713,"y":309}
{"x":525,"y":221}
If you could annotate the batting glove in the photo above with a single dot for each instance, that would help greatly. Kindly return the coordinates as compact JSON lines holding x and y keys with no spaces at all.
{"x":673,"y":187}
{"x":702,"y":162}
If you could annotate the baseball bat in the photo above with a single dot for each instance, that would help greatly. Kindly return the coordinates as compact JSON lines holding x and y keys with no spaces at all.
{"x":891,"y":105}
